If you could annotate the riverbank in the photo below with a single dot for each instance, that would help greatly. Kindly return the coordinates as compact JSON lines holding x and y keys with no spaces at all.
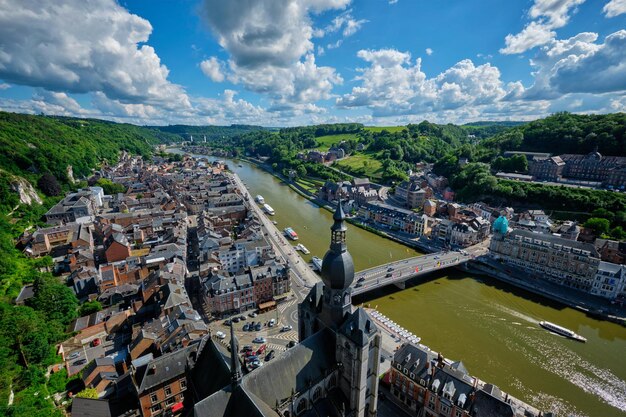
{"x":596,"y":307}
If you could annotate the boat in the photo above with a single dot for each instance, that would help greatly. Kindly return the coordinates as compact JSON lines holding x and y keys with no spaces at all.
{"x":259,"y":199}
{"x":290,"y":233}
{"x":302,"y":248}
{"x":561,"y":330}
{"x":317,"y":263}
{"x":268,"y":209}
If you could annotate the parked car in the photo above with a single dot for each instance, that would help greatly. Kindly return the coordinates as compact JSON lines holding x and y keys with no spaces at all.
{"x":220,"y":335}
{"x":110,"y":337}
{"x":252,"y":358}
{"x":235,"y":319}
{"x":247,"y":348}
{"x":252,"y":324}
{"x":286,"y":328}
{"x":257,"y":327}
{"x":227,"y":322}
{"x":242,"y":318}
{"x":259,"y":339}
{"x":253,"y":314}
{"x":291,"y":344}
{"x":80,"y":362}
{"x":246,"y":327}
{"x":272,"y":323}
{"x":96,"y":342}
{"x":256,"y":364}
{"x":261,"y":350}
{"x":270,"y":355}
{"x":74,"y":355}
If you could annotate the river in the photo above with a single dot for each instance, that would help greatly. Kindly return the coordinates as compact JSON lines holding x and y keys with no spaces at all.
{"x":492,"y":327}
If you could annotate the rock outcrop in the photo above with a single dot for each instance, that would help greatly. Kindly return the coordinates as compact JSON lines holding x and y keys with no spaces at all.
{"x":26,"y":191}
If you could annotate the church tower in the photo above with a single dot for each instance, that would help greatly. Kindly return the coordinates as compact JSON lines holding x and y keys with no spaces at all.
{"x":329,"y":302}
{"x":337,"y":274}
{"x":356,"y":337}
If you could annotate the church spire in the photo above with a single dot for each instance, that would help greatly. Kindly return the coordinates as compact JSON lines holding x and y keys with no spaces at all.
{"x":338,"y":230}
{"x":235,"y":365}
{"x":337,"y":265}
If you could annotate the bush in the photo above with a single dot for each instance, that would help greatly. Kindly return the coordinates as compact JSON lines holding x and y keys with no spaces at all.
{"x":49,"y":185}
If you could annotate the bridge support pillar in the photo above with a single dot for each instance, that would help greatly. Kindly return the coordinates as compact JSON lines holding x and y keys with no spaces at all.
{"x":401,"y":285}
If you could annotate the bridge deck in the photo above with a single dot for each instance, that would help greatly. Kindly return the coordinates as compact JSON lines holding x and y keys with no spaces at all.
{"x":400,"y":271}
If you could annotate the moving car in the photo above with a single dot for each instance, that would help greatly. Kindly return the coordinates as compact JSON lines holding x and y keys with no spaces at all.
{"x":286,"y":328}
{"x":270,"y":355}
{"x":291,"y":344}
{"x":259,"y":339}
{"x":361,"y":279}
{"x":272,"y":323}
{"x":220,"y":335}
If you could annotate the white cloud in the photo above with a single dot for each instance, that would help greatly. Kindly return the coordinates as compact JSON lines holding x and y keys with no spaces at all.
{"x":394,"y":85}
{"x":601,"y":69}
{"x":346,"y":23}
{"x":213,"y":69}
{"x":614,"y":8}
{"x":4,"y":86}
{"x":429,"y":51}
{"x":83,"y":46}
{"x":270,"y":46}
{"x":548,"y":15}
{"x":393,"y":1}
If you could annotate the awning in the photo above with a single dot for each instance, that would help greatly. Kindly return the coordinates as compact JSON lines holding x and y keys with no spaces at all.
{"x":177,"y":407}
{"x":268,"y":304}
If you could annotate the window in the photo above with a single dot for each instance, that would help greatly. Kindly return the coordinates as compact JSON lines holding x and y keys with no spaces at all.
{"x":154,"y":398}
{"x":169,"y":401}
{"x":301,"y":406}
{"x":168,"y":391}
{"x":317,"y":393}
{"x":155,"y":408}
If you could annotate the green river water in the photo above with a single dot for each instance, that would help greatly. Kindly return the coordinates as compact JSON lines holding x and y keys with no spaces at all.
{"x":491,"y":326}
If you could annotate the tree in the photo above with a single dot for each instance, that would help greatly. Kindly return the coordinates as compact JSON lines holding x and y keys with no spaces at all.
{"x":301,"y":171}
{"x":618,"y":233}
{"x":55,"y":300}
{"x":110,"y":187}
{"x":598,"y":225}
{"x":89,"y":307}
{"x":88,"y":393}
{"x":49,"y":185}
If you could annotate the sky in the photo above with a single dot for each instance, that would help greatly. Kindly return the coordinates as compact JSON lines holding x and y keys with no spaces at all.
{"x":299,"y":62}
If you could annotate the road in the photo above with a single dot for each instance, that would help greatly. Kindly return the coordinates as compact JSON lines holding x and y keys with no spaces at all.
{"x":303,"y":279}
{"x":400,"y":271}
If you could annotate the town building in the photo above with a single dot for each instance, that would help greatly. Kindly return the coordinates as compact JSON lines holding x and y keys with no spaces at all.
{"x":428,"y":385}
{"x":545,"y":256}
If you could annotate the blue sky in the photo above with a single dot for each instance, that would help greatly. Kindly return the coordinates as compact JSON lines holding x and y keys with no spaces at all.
{"x":292,"y":62}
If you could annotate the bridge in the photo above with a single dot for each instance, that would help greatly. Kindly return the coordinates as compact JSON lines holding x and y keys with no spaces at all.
{"x":398,"y":272}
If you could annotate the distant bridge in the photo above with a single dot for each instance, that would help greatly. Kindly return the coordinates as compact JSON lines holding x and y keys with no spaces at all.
{"x":398,"y":272}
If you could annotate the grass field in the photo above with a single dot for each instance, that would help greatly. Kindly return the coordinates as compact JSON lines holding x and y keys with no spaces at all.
{"x":390,"y":129}
{"x":364,"y":165}
{"x":325,"y":142}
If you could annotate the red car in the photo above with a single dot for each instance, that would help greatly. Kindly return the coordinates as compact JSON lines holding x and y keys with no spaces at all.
{"x":95,"y":342}
{"x":261,"y":350}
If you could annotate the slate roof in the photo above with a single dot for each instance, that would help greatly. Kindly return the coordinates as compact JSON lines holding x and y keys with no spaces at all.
{"x":486,"y":405}
{"x":167,"y":367}
{"x":555,"y":240}
{"x":358,"y":327}
{"x":89,"y":407}
{"x":291,"y":372}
